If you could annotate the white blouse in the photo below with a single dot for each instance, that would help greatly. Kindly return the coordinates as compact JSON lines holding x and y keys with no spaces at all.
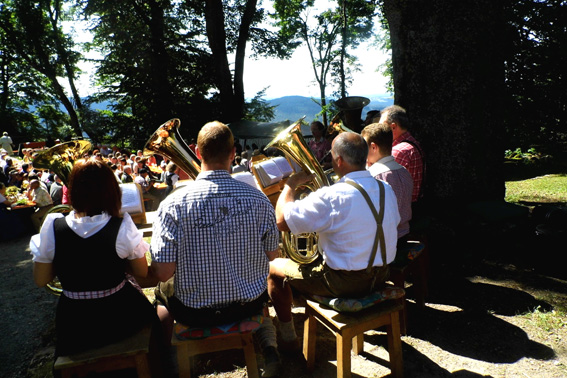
{"x":129,"y":243}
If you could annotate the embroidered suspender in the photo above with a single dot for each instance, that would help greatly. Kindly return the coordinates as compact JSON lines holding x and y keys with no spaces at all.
{"x":379,"y":217}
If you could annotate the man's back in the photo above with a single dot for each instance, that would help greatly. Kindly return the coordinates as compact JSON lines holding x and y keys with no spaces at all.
{"x":217,"y":230}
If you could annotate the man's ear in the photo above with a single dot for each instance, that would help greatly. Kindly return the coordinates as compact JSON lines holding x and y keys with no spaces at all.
{"x":198,"y":153}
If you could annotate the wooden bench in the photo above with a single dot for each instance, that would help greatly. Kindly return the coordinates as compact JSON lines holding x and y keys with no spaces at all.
{"x":349,"y":331}
{"x":131,"y":352}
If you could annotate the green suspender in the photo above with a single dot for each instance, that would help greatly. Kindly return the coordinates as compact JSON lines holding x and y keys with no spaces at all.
{"x":379,"y":218}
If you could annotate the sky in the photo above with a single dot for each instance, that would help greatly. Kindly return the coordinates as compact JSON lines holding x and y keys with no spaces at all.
{"x":295,"y":76}
{"x":291,"y":77}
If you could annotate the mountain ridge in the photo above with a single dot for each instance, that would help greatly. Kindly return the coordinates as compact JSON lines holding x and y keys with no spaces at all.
{"x":294,"y":107}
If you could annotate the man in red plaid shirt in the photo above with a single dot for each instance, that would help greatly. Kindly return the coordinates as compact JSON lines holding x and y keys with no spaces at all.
{"x":405,"y":149}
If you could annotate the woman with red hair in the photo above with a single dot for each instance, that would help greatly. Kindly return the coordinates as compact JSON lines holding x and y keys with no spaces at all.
{"x":91,"y":250}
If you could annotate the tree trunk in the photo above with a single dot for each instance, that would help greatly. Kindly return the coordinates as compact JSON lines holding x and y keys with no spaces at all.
{"x":214,"y":19}
{"x":243,"y":34}
{"x":449,"y":75}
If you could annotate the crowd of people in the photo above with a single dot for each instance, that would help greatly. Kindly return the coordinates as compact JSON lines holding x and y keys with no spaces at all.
{"x":45,"y":189}
{"x":215,"y":254}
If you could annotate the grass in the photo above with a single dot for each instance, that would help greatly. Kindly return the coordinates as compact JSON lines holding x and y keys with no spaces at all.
{"x":544,"y":189}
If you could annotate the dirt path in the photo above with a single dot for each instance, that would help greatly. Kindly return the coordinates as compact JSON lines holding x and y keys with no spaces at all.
{"x":474,"y":324}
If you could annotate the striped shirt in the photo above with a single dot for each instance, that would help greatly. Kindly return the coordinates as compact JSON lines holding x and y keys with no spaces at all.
{"x":217,"y":230}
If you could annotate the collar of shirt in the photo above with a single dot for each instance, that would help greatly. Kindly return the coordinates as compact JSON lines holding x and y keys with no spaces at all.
{"x":401,"y":138}
{"x":86,"y":226}
{"x":384,"y":165}
{"x":355,"y":175}
{"x":211,"y":175}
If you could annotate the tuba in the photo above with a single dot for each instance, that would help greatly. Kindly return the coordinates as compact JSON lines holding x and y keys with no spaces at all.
{"x":300,"y":248}
{"x":60,"y":159}
{"x":350,"y":111}
{"x":167,"y":141}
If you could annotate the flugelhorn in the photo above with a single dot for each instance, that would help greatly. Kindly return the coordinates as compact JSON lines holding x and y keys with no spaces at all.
{"x":167,"y":141}
{"x":60,"y":159}
{"x":300,"y":248}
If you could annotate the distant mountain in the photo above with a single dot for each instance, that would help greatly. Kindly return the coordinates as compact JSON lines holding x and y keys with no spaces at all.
{"x":293,"y":108}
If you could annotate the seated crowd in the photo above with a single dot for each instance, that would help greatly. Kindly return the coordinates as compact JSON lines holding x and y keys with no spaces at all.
{"x":215,"y":250}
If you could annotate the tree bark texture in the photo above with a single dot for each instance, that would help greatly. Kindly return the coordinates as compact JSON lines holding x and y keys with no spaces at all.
{"x":449,"y":75}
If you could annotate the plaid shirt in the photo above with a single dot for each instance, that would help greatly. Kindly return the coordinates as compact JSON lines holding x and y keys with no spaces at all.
{"x":410,"y":157}
{"x":216,"y":230}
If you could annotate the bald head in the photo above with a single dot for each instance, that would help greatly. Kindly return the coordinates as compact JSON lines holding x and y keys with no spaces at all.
{"x":352,"y":148}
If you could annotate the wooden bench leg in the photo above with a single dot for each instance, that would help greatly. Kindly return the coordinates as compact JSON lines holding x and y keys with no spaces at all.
{"x":358,"y":344}
{"x":250,"y":355}
{"x":183,"y":361}
{"x":344,"y":345}
{"x":395,"y":346}
{"x":309,"y":339}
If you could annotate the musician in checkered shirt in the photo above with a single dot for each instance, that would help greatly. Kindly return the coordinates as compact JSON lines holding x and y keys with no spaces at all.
{"x":405,"y":149}
{"x":211,"y":246}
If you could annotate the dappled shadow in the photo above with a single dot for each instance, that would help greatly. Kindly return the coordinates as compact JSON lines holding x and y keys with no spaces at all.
{"x":416,"y":364}
{"x":477,"y":335}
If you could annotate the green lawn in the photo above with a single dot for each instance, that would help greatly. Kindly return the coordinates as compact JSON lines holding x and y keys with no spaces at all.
{"x":544,"y":189}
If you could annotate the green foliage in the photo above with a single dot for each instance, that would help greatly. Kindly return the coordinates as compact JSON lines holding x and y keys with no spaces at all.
{"x":258,"y":109}
{"x":535,"y":61}
{"x":528,"y":156}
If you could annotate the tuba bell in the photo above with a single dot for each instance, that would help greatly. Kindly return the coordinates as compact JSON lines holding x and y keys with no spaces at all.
{"x":167,"y":141}
{"x":60,"y":159}
{"x":300,"y":248}
{"x":350,"y":111}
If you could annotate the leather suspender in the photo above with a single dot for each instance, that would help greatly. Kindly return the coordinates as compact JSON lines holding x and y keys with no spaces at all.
{"x":379,"y":217}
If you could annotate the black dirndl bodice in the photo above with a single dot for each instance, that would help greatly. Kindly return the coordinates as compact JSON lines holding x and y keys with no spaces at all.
{"x":92,"y":264}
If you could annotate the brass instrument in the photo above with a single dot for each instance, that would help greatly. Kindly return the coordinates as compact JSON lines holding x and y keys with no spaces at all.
{"x":300,"y":248}
{"x":350,"y":111}
{"x":60,"y":159}
{"x":167,"y":141}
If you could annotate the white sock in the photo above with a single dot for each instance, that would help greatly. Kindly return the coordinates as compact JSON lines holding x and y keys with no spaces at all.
{"x":287,"y":330}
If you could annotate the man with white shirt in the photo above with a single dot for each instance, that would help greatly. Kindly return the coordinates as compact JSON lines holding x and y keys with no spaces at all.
{"x":356,"y":245}
{"x":382,"y":166}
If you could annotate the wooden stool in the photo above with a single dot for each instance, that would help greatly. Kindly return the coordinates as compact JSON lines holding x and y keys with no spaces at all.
{"x":186,"y":349}
{"x":347,"y":327}
{"x":128,"y":353}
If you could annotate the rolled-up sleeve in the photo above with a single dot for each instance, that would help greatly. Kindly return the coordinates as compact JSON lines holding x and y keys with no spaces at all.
{"x":311,"y":214}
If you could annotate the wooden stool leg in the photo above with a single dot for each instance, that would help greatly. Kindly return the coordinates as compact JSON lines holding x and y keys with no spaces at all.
{"x":344,"y":345}
{"x":395,"y":346}
{"x":250,"y":355}
{"x":183,"y":361}
{"x":309,"y":339}
{"x":358,"y":344}
{"x":142,"y":366}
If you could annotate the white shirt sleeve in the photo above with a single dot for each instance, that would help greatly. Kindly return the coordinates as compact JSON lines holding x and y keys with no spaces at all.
{"x":42,"y":245}
{"x":130,"y":243}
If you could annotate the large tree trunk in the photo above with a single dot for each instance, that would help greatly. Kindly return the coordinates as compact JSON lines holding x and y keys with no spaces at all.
{"x":243,"y":34}
{"x":214,"y":18}
{"x":449,"y":75}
